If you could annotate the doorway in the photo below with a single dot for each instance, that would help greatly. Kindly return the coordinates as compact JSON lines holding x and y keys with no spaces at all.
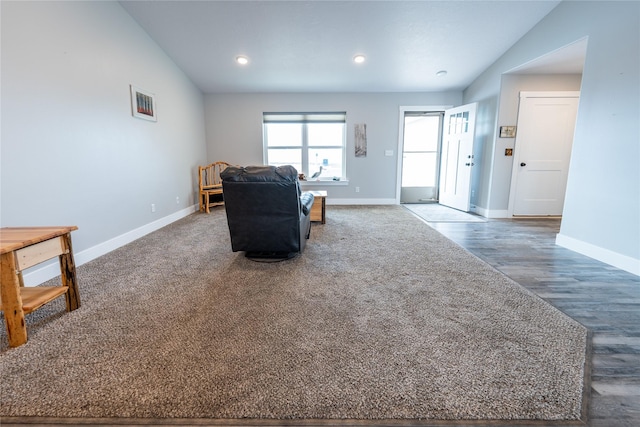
{"x":421,"y":145}
{"x":546,"y":121}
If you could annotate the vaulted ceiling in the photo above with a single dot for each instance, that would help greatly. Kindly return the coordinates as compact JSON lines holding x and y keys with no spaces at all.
{"x":309,"y":46}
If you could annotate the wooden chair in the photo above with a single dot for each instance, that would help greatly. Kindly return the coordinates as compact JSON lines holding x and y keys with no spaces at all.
{"x":211,"y":185}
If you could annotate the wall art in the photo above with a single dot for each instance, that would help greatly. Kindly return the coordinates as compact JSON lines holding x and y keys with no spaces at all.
{"x":361,"y":140}
{"x":507,"y":131}
{"x":143,"y":104}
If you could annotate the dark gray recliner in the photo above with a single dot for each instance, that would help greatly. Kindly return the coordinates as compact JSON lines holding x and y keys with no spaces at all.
{"x":267,"y":213}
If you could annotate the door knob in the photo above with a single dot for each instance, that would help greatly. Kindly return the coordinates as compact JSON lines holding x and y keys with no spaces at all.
{"x":523,"y":164}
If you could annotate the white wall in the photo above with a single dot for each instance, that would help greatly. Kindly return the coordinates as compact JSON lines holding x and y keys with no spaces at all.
{"x":234,"y":133}
{"x":601,"y":217}
{"x":71,"y":153}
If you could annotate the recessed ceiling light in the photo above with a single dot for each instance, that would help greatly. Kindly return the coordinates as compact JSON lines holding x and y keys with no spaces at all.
{"x":441,"y":73}
{"x":359,"y":59}
{"x":242,"y":60}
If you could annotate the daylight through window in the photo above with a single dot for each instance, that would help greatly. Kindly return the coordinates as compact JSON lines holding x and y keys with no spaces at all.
{"x":313,"y":143}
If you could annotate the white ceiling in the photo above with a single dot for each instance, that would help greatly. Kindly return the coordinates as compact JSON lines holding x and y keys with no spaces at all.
{"x":566,"y":60}
{"x":308,"y":46}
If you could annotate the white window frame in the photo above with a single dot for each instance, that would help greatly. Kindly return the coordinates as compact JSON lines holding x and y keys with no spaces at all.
{"x":305,"y":118}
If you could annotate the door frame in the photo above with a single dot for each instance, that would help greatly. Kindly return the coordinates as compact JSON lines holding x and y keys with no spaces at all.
{"x":516,"y":158}
{"x":402,"y":110}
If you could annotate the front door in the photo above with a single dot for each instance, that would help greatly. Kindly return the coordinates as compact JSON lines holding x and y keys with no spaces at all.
{"x":542,"y":151}
{"x":457,"y":157}
{"x":420,"y":157}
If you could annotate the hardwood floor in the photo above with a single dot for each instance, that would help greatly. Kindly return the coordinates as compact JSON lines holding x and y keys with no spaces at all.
{"x":602,"y":298}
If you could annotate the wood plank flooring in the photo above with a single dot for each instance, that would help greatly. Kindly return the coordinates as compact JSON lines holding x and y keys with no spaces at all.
{"x":602,"y":298}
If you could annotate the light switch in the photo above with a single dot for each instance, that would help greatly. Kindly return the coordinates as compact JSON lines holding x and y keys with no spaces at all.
{"x":388,"y":153}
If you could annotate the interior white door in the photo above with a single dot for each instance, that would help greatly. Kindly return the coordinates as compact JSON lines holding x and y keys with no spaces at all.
{"x":542,"y":152}
{"x":457,"y":157}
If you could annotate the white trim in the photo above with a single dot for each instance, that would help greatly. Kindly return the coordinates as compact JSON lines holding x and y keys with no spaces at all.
{"x":496,"y":213}
{"x":491,"y":213}
{"x":480,"y":211}
{"x":615,"y":259}
{"x":50,"y":271}
{"x":361,"y":202}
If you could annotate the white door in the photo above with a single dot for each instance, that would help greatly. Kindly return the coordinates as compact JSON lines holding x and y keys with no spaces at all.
{"x":542,"y":151}
{"x":457,"y":157}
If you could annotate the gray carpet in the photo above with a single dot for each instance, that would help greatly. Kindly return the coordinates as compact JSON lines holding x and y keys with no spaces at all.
{"x":380,"y":318}
{"x":434,"y":212}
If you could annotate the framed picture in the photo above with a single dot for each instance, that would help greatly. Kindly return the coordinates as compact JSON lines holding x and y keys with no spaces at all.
{"x":143,"y":104}
{"x":507,"y":131}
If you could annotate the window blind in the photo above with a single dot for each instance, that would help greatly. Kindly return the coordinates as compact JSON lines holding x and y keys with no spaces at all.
{"x":336,"y":117}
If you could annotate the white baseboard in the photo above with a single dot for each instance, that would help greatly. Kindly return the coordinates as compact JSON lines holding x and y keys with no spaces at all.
{"x":491,"y":213}
{"x":361,"y":201}
{"x":46,"y":272}
{"x":614,"y":259}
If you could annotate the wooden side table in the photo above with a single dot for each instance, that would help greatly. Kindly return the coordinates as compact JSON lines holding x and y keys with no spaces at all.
{"x":318,"y":209}
{"x":24,"y":247}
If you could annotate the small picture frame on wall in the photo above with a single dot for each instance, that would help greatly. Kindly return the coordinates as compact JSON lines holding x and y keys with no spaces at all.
{"x":507,"y":131}
{"x":143,"y":104}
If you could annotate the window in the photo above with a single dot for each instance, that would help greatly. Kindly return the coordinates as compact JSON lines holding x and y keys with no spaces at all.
{"x":313,"y":143}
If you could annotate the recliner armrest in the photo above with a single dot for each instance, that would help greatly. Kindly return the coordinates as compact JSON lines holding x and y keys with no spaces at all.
{"x":306,"y":201}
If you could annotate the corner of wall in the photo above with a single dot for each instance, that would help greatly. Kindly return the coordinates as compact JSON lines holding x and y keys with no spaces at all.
{"x":606,"y":256}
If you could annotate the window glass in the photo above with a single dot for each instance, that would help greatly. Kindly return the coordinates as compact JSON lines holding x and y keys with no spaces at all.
{"x":286,"y":156}
{"x":421,"y":133}
{"x":327,"y":161}
{"x":284,"y":134}
{"x":419,"y":169}
{"x":313,"y":143}
{"x":325,"y":134}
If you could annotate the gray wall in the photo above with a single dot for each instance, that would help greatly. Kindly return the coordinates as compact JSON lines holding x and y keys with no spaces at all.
{"x":498,"y":167}
{"x":234,"y":133}
{"x":71,"y":153}
{"x":602,"y":207}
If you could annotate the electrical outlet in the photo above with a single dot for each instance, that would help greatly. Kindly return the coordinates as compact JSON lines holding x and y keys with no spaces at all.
{"x":153,"y":207}
{"x":177,"y":200}
{"x":357,"y":189}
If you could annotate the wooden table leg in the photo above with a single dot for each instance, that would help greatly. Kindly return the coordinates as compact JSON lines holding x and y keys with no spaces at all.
{"x":68,"y":274}
{"x":12,"y":301}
